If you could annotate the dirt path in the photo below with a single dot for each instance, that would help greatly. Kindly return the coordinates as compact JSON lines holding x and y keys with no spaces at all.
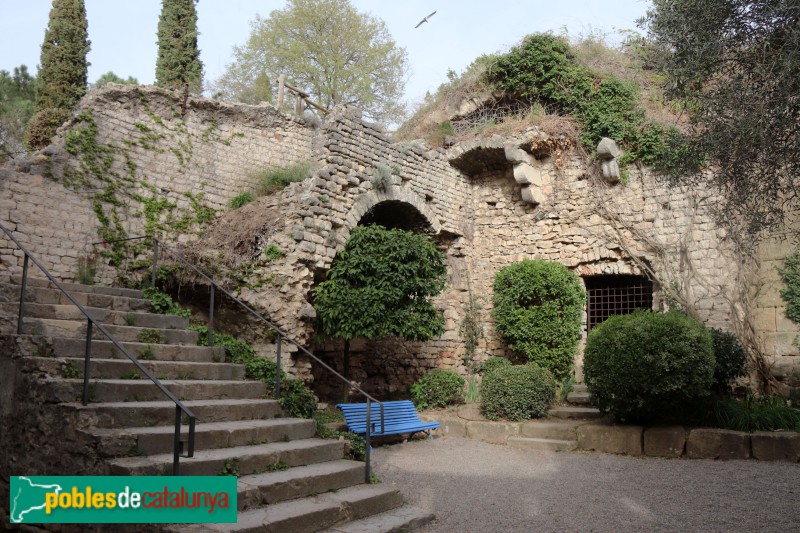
{"x":472,"y":486}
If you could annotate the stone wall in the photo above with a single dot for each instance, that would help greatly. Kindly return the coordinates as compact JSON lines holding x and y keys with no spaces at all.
{"x":488,"y":202}
{"x":777,"y":334}
{"x":642,"y":227}
{"x":129,"y":143}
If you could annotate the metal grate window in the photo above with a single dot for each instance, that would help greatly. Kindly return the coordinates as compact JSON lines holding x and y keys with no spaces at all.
{"x":616,"y":295}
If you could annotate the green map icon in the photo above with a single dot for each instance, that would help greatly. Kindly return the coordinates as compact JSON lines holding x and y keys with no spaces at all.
{"x":28,"y":500}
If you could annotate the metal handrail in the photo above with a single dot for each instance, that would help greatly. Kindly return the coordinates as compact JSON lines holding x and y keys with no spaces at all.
{"x":91,"y":324}
{"x":281,"y":335}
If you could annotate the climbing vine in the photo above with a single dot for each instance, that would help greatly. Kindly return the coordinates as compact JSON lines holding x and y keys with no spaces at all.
{"x":110,"y":174}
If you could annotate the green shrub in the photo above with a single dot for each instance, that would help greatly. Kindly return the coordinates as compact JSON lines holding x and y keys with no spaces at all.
{"x":493,"y":363}
{"x":296,"y":399}
{"x":438,"y":388}
{"x":162,"y":303}
{"x":43,"y":125}
{"x":648,"y":366}
{"x":517,"y":392}
{"x":272,"y":181}
{"x":537,"y":312}
{"x":790,"y":293}
{"x":242,"y":199}
{"x":768,"y":413}
{"x":730,"y":358}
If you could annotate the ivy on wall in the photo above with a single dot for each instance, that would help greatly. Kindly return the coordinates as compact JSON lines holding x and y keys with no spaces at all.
{"x":110,"y":174}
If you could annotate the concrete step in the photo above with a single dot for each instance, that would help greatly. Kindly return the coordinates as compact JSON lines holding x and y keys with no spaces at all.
{"x":314,"y":513}
{"x":130,"y":414}
{"x":113,"y":442}
{"x":579,"y":387}
{"x":36,"y":281}
{"x":242,"y":459}
{"x":66,"y":347}
{"x":554,"y":445}
{"x":575,"y":413}
{"x":141,"y":390}
{"x":76,"y":329}
{"x":400,"y":519}
{"x":272,"y":487}
{"x":44,"y":295}
{"x":579,"y":398}
{"x":566,"y":430}
{"x":104,"y":316}
{"x":181,"y":370}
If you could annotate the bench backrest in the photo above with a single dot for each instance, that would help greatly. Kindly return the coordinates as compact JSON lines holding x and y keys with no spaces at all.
{"x":397,"y":413}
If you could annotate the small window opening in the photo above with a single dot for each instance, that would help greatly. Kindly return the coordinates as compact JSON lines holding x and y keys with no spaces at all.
{"x":616,"y":295}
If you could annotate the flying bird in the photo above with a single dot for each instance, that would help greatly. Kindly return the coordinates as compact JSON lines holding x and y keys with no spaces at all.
{"x":423,"y":21}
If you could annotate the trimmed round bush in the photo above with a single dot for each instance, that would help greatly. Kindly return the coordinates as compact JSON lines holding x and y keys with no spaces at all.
{"x":730,"y":357}
{"x":537,"y":312}
{"x":517,"y":392}
{"x":648,"y":366}
{"x":493,"y":363}
{"x":438,"y":388}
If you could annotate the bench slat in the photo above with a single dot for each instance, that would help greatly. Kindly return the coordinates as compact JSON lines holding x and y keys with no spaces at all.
{"x":399,"y":417}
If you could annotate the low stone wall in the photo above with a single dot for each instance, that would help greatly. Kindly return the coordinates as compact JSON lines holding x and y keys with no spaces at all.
{"x":657,"y":441}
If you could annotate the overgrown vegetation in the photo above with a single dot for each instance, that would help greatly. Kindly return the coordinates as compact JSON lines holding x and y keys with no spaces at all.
{"x":273,"y":180}
{"x":381,"y":285}
{"x":537,"y":312}
{"x":241,"y":199}
{"x":648,"y":366}
{"x":494,"y":363}
{"x":767,"y":413}
{"x":87,"y":269}
{"x":162,"y":303}
{"x":730,"y":359}
{"x":296,"y":399}
{"x":438,"y":388}
{"x":517,"y":392}
{"x":790,"y":292}
{"x":734,"y":65}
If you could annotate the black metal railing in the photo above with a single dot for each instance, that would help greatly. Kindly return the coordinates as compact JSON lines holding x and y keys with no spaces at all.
{"x":214,"y":286}
{"x":91,"y":324}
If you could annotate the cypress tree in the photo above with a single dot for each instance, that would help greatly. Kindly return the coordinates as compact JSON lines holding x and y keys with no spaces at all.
{"x":63,"y":69}
{"x":178,"y":56}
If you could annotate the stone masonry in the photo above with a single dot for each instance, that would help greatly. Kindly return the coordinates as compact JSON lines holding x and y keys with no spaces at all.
{"x":487,"y":202}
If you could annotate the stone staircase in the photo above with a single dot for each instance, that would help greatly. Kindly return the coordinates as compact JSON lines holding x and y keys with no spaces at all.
{"x":559,"y":431}
{"x":288,"y":480}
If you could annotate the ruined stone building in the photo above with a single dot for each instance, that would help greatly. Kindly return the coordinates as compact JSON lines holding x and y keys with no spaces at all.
{"x":487,"y":202}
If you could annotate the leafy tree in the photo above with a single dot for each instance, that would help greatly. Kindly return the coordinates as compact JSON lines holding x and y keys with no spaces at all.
{"x":178,"y":60}
{"x":17,"y":105}
{"x":326,"y":48}
{"x":110,"y":77}
{"x":63,"y":69}
{"x":380,"y":285}
{"x":62,"y":73}
{"x":736,"y":65}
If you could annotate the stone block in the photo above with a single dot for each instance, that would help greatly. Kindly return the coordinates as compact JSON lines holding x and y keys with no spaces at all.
{"x":492,"y":432}
{"x":776,"y":446}
{"x":611,"y":439}
{"x":723,"y":444}
{"x":667,"y":441}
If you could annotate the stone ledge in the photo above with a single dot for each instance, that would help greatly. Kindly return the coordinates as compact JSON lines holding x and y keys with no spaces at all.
{"x":658,"y":441}
{"x":626,"y":440}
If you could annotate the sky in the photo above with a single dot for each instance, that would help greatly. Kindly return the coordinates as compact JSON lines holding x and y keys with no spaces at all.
{"x":123,"y":32}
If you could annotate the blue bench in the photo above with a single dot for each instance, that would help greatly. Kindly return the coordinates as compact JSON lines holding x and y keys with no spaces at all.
{"x":399,"y":417}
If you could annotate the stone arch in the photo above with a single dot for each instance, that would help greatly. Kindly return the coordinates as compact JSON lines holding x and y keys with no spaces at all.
{"x":364,"y":203}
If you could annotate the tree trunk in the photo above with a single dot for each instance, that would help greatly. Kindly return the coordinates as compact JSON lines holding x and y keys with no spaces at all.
{"x":346,"y":371}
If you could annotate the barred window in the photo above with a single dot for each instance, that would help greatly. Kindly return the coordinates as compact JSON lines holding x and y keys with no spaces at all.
{"x":616,"y":295}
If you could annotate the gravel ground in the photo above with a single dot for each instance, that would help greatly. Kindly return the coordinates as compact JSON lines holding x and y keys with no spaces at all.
{"x":474,"y":486}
